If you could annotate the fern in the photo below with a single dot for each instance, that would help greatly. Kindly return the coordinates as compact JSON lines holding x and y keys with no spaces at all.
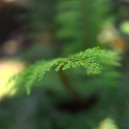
{"x":92,"y":60}
{"x":80,"y":23}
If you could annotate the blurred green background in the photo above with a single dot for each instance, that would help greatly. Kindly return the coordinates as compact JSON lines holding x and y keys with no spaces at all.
{"x":32,"y":30}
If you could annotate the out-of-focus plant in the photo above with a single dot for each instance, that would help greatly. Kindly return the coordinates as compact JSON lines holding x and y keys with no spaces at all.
{"x":80,"y":22}
{"x":108,"y":124}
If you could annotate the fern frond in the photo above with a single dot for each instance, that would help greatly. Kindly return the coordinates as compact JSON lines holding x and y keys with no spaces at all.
{"x":92,"y":60}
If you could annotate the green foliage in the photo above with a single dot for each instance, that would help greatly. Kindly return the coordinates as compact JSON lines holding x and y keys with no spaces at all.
{"x":92,"y":60}
{"x":80,"y":23}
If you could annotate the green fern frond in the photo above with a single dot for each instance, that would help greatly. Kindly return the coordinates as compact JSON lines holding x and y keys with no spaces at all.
{"x":92,"y":60}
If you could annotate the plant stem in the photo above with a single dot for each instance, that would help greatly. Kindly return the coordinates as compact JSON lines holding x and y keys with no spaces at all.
{"x":68,"y":87}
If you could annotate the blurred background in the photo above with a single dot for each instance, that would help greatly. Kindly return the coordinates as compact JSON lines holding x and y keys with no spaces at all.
{"x":32,"y":30}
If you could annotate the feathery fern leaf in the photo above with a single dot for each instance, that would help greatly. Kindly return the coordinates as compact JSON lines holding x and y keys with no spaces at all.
{"x":92,"y":60}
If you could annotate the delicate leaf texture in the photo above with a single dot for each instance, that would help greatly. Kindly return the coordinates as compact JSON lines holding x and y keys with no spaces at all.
{"x":92,"y":60}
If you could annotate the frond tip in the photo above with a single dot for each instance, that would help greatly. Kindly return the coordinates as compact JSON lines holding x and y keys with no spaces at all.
{"x":92,"y":60}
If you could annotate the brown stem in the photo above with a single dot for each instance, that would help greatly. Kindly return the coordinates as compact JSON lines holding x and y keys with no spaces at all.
{"x":68,"y":87}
